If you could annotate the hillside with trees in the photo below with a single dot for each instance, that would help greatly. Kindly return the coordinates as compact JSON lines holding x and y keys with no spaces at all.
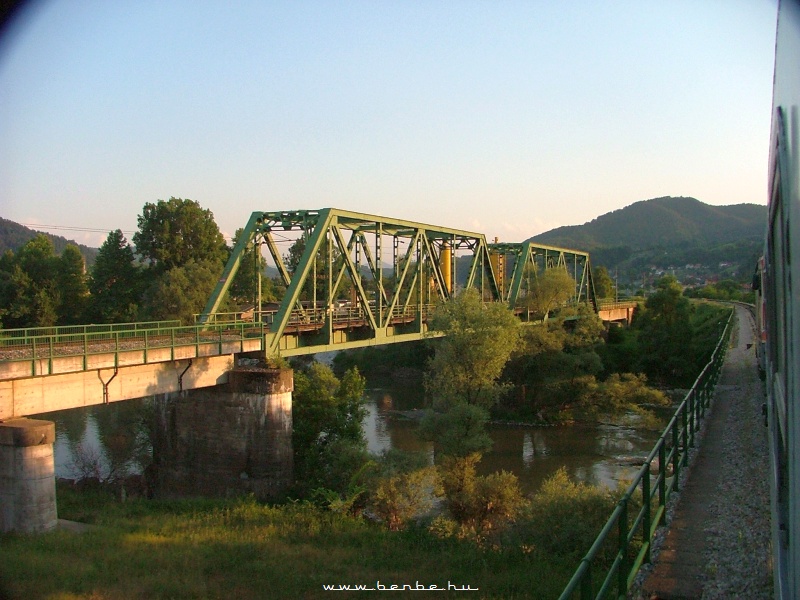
{"x":684,"y":236}
{"x":13,"y":236}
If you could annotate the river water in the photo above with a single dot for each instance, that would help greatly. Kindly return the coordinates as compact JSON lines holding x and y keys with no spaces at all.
{"x":113,"y":436}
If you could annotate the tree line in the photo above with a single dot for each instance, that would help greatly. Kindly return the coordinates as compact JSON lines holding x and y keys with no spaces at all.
{"x":168,"y":272}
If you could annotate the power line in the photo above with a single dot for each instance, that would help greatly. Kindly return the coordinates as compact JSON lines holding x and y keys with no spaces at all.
{"x":68,"y":228}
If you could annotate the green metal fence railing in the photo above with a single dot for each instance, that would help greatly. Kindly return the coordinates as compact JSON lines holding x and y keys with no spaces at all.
{"x":49,"y":343}
{"x":22,"y":345}
{"x":13,"y":337}
{"x":649,"y":491}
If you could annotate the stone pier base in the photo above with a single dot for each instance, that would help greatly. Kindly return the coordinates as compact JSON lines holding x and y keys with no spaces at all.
{"x":27,"y":476}
{"x":226,"y":440}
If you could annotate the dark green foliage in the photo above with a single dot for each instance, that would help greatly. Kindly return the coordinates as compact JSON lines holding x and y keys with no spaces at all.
{"x":327,"y":437}
{"x":603,"y":284}
{"x":620,"y":353}
{"x":71,"y":281}
{"x":174,"y":232}
{"x":665,"y":332}
{"x":116,"y":283}
{"x":42,"y":289}
{"x":554,"y":370}
{"x":181,"y":292}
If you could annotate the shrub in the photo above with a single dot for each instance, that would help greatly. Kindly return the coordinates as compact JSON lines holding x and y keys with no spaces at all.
{"x":566,"y":517}
{"x":404,"y":496}
{"x":480,"y":503}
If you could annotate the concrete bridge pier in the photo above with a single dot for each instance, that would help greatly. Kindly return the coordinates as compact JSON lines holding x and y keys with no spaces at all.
{"x":226,"y":440}
{"x":27,"y":476}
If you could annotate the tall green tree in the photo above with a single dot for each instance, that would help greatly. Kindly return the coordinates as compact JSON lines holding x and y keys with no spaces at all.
{"x":181,"y":292}
{"x":116,"y":282}
{"x":71,"y":280}
{"x":665,"y":332}
{"x":15,"y":285}
{"x":603,"y":284}
{"x":30,"y":278}
{"x":173,"y":232}
{"x":469,"y":359}
{"x":552,"y":288}
{"x":327,"y":436}
{"x":39,"y":260}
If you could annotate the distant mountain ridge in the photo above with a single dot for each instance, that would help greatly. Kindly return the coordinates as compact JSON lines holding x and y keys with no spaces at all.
{"x":694,"y":240}
{"x":664,"y":221}
{"x":13,"y":236}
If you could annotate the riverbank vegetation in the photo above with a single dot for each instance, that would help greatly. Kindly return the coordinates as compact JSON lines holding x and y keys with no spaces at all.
{"x":244,"y":549}
{"x":570,"y":367}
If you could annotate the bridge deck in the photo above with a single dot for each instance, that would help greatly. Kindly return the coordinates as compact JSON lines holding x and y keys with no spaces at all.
{"x":32,"y":353}
{"x":718,"y":541}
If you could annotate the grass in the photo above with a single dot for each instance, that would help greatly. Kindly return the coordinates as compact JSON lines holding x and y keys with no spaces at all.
{"x":243,"y":549}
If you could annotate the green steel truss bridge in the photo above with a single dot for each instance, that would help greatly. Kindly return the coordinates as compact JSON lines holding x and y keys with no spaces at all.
{"x":365,"y":280}
{"x":360,"y":280}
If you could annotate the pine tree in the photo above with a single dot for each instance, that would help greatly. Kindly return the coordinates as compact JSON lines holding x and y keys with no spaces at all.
{"x":115,"y":283}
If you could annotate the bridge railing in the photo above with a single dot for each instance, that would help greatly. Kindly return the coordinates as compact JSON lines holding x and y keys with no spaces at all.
{"x":50,"y":344}
{"x":621,"y":303}
{"x":13,"y":337}
{"x":632,"y":534}
{"x":340,"y":313}
{"x":48,"y":348}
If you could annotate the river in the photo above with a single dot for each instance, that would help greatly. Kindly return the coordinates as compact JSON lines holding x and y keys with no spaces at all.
{"x":600,"y":454}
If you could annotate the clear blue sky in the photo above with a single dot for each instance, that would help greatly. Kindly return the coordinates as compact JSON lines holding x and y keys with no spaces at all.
{"x":504,"y":117}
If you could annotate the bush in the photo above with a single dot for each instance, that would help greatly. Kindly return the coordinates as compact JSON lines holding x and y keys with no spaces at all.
{"x":566,"y":517}
{"x":481,"y":504}
{"x":402,"y":497}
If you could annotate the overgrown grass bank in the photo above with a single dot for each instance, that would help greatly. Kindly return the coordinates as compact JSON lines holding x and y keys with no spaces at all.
{"x":243,"y":549}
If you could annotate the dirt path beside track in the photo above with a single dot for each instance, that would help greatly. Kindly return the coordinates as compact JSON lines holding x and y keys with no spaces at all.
{"x":718,"y":539}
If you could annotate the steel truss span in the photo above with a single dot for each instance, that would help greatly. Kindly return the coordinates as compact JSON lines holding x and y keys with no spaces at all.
{"x":365,"y":279}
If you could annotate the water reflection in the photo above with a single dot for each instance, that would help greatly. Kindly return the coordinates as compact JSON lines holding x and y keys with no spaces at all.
{"x":600,"y":455}
{"x":595,"y":454}
{"x":105,"y":442}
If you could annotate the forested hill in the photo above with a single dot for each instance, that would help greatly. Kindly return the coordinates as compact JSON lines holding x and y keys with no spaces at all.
{"x":662,"y":222}
{"x":666,"y":232}
{"x":13,"y":236}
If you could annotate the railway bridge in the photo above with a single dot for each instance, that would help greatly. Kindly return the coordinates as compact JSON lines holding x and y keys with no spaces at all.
{"x":361,"y":280}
